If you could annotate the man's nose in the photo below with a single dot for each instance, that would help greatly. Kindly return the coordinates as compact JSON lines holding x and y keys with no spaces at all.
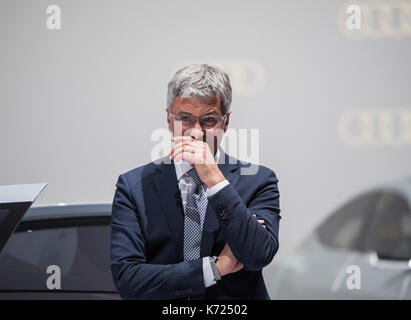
{"x":196,"y":131}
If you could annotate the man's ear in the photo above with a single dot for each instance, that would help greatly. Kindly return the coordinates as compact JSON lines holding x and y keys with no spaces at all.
{"x":169,"y":122}
{"x":227,"y":120}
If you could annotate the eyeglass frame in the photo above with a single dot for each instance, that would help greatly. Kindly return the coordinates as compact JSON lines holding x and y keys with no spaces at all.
{"x":197,"y":118}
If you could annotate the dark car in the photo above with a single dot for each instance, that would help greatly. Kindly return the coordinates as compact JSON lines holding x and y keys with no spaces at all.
{"x":54,"y":252}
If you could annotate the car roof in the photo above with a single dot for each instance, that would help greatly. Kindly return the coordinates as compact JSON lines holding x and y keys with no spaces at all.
{"x":402,"y":186}
{"x":68,"y":210}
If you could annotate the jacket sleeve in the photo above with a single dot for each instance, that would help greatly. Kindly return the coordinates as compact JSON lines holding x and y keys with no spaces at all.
{"x":133,"y":275}
{"x":252,"y":244}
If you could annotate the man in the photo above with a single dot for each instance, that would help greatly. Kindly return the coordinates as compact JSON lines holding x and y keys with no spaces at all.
{"x":191,"y":226}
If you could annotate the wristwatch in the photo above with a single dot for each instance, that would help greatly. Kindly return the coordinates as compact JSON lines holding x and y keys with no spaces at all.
{"x":213,"y":260}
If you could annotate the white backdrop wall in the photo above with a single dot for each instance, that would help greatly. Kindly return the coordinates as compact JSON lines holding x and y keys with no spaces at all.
{"x":333,"y":106}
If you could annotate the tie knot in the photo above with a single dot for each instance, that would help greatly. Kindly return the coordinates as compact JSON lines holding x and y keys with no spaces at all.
{"x":193,"y":174}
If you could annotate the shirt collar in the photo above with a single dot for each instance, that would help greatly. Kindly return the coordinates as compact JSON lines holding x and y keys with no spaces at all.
{"x":183,"y":167}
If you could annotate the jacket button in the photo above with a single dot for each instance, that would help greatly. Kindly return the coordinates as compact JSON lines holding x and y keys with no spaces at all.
{"x":189,"y":290}
{"x":220,"y":210}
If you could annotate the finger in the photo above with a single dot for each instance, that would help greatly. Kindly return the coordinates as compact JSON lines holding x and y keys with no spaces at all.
{"x":261,"y":221}
{"x":189,"y":147}
{"x":238,"y":266}
{"x":176,"y":145}
{"x":180,"y":148}
{"x":186,"y":156}
{"x":182,"y":138}
{"x":180,"y":155}
{"x":190,"y":157}
{"x":185,"y":143}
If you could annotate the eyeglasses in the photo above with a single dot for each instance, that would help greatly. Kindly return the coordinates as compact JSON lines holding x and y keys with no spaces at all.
{"x":206,"y":122}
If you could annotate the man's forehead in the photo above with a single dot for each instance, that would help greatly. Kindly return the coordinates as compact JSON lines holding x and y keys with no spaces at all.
{"x":208,"y":104}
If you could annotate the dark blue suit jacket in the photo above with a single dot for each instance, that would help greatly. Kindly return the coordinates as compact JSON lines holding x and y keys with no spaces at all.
{"x":147,"y":234}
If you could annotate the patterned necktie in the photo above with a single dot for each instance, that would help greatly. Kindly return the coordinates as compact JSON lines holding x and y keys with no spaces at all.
{"x":194,"y":214}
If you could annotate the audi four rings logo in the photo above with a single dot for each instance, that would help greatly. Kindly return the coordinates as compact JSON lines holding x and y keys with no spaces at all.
{"x":375,"y":19}
{"x":375,"y":127}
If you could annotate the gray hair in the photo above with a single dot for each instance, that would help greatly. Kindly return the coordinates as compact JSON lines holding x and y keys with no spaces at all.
{"x":200,"y":81}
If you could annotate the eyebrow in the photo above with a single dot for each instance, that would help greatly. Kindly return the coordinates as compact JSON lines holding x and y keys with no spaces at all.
{"x":215,"y":113}
{"x":207,"y":114}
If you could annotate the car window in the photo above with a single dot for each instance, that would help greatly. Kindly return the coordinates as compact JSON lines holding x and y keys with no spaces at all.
{"x":3,"y":214}
{"x":390,"y":235}
{"x":345,"y":227}
{"x":79,"y":247}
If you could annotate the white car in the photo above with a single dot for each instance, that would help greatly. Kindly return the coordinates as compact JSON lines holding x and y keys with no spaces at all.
{"x":362,"y":251}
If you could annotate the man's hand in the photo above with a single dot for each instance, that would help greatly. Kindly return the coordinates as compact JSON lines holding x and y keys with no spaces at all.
{"x":198,"y":154}
{"x":260,"y":221}
{"x":227,"y":263}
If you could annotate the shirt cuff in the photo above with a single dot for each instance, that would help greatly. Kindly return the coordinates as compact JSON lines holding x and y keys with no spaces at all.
{"x":214,"y":189}
{"x":208,"y":273}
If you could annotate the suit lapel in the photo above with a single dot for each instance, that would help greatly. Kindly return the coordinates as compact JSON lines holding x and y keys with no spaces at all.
{"x":166,"y":186}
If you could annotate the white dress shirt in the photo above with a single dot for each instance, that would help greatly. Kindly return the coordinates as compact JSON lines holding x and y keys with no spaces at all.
{"x":186,"y":185}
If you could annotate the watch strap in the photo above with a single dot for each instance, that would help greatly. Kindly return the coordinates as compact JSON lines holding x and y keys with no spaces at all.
{"x":213,"y":264}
